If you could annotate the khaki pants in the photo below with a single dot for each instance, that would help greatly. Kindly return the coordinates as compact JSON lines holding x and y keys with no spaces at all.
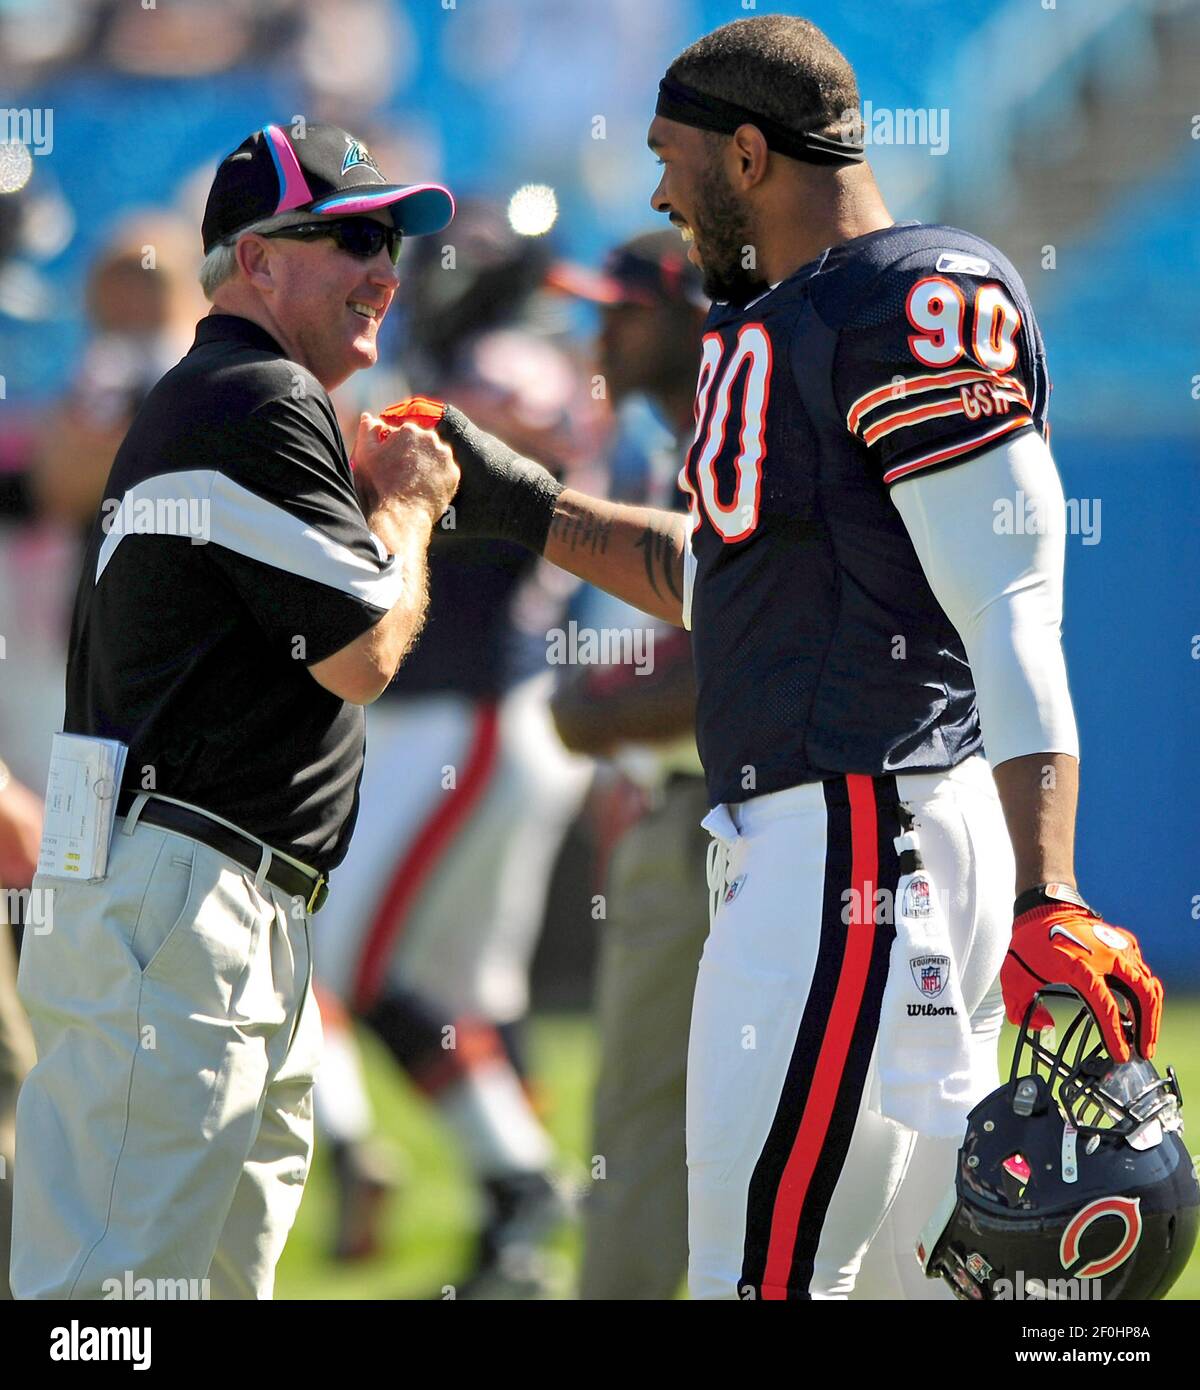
{"x":635,"y":1219}
{"x":165,"y":1132}
{"x":16,"y":1058}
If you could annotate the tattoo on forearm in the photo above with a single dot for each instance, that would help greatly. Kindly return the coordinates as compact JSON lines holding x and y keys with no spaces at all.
{"x":582,"y":532}
{"x":658,"y":551}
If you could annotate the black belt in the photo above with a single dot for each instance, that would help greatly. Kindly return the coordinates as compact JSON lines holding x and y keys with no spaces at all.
{"x":307,"y":884}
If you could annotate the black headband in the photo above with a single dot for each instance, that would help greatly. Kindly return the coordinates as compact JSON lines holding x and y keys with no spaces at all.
{"x":678,"y":102}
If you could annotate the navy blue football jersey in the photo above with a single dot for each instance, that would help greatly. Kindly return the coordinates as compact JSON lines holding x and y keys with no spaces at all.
{"x":819,"y":647}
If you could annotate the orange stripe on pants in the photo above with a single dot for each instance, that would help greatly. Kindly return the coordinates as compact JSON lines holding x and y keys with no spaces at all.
{"x":835,"y":1046}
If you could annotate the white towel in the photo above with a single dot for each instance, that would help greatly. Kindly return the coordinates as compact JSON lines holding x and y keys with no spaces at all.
{"x":924,"y":1031}
{"x":719,"y":824}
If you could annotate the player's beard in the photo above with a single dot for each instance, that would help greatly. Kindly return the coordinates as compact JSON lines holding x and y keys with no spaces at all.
{"x":724,"y":240}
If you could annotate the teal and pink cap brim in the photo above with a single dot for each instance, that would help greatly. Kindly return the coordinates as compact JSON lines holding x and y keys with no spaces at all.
{"x":426,"y":207}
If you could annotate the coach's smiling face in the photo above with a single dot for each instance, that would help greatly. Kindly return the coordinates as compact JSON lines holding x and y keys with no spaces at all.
{"x":324,"y":305}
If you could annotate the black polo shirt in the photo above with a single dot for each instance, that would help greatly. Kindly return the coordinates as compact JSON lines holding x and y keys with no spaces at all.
{"x":229,"y":555}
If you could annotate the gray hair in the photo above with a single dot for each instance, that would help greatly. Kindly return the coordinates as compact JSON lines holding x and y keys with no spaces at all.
{"x":221,"y":262}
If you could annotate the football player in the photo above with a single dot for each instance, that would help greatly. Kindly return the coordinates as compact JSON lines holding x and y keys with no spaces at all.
{"x":869,"y":393}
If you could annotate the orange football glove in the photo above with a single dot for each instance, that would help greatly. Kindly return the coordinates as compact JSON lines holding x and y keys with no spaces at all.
{"x":1067,"y":943}
{"x":501,"y":495}
{"x":416,"y":410}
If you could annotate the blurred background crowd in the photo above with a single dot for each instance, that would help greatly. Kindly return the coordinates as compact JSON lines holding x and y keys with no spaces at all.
{"x":558,"y":868}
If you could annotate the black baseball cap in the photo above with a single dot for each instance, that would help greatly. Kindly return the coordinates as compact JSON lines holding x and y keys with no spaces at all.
{"x":652,"y":269}
{"x":320,"y":169}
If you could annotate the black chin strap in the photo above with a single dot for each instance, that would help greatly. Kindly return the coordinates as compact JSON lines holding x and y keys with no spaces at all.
{"x":678,"y":102}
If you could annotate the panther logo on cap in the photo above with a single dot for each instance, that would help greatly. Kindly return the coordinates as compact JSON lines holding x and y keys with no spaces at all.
{"x":357,"y":153}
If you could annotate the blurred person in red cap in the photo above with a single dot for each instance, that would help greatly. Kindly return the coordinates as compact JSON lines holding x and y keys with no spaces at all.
{"x":652,"y":307}
{"x":652,"y":310}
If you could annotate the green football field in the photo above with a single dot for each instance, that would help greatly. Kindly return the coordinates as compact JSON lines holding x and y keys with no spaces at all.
{"x":429,"y":1227}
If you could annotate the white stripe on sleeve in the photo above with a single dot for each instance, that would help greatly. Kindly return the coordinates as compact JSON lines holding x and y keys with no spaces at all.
{"x":210,"y":508}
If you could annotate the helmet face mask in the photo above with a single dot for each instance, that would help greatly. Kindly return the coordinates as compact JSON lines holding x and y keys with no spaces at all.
{"x":1073,"y":1180}
{"x":1101,"y":1096}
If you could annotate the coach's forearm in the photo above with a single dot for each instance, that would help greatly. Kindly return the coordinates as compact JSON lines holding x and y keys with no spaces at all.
{"x":635,"y":553}
{"x":406,"y":531}
{"x":362,"y":670}
{"x":1039,"y":793}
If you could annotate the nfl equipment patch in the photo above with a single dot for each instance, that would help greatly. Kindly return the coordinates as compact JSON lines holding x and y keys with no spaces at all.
{"x":931,"y":974}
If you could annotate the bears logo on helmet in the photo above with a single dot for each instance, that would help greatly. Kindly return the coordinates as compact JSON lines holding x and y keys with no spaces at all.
{"x":1128,"y":1209}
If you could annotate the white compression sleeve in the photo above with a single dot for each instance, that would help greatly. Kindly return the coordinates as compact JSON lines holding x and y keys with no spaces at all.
{"x":1001,"y":586}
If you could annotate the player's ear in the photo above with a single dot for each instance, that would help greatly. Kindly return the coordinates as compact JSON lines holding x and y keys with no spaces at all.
{"x":748,"y":148}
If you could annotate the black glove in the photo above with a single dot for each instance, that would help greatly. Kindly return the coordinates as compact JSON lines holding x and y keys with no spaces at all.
{"x":501,"y":496}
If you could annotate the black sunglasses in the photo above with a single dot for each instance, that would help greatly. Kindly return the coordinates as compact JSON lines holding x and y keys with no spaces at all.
{"x":359,"y":236}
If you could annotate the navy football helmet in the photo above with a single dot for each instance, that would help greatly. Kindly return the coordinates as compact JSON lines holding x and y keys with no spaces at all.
{"x":1073,"y":1180}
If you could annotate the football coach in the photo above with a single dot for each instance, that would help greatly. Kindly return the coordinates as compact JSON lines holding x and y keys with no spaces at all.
{"x":246,"y":589}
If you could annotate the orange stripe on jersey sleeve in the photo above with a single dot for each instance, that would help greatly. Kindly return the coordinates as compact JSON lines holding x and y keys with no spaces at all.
{"x":915,"y":385}
{"x":909,"y":386}
{"x":939,"y":456}
{"x":873,"y":433}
